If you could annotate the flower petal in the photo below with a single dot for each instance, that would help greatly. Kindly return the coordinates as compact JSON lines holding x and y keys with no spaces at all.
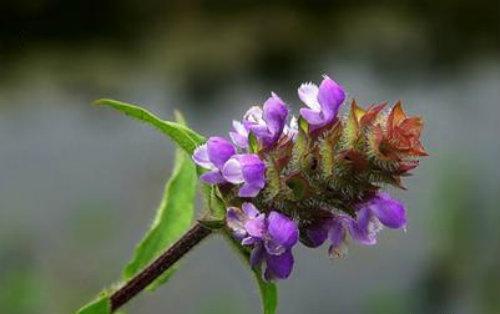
{"x":330,"y":96}
{"x":254,"y":172}
{"x":389,"y":211}
{"x":315,"y":235}
{"x":364,"y":229}
{"x":233,"y":171}
{"x":308,"y":93}
{"x":336,"y":233}
{"x":312,"y":117}
{"x":256,"y":227}
{"x":238,"y":139}
{"x":275,"y":113}
{"x":247,"y":190}
{"x":200,"y":157}
{"x":235,"y":221}
{"x":212,"y":177}
{"x":257,"y":255}
{"x":219,"y":151}
{"x":282,"y":229}
{"x":279,"y":266}
{"x":250,"y":210}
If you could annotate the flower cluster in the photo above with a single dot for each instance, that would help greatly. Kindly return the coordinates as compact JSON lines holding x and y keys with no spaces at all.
{"x":315,"y":179}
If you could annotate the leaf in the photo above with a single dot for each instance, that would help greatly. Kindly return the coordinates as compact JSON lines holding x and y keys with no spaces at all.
{"x":101,"y":305}
{"x":183,"y":136}
{"x":268,"y":290}
{"x":173,"y":218}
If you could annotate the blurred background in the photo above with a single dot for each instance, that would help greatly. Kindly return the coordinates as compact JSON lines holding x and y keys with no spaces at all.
{"x":79,"y":184}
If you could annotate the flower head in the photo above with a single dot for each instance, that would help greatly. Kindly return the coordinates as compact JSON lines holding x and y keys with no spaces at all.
{"x":248,"y":170}
{"x":323,"y":102}
{"x":323,"y":170}
{"x":212,"y":156}
{"x":266,"y":124}
{"x":271,"y":238}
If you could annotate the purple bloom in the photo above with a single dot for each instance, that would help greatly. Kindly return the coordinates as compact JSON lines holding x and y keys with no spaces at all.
{"x":332,"y":228}
{"x":246,"y":169}
{"x":371,"y":216}
{"x":381,"y":210}
{"x":271,"y":238}
{"x":266,"y":124}
{"x":323,"y":102}
{"x":212,"y":156}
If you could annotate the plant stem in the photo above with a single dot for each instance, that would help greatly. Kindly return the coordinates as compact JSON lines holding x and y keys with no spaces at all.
{"x":135,"y":285}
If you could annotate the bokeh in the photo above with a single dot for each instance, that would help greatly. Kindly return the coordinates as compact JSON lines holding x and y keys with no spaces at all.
{"x":79,"y":184}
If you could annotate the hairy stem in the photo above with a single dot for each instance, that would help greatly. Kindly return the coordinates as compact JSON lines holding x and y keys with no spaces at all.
{"x":194,"y":236}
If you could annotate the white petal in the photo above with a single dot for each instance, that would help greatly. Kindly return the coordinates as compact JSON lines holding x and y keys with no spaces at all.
{"x":240,"y":128}
{"x":200,"y":157}
{"x":232,"y":171}
{"x":254,"y":115}
{"x":308,"y":93}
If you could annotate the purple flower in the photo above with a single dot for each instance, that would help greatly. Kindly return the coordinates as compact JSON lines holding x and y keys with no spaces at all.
{"x":371,"y":216}
{"x":212,"y":156}
{"x":246,"y":169}
{"x":332,"y":228}
{"x":271,"y":238}
{"x":323,"y":102}
{"x":266,"y":124}
{"x":381,"y":210}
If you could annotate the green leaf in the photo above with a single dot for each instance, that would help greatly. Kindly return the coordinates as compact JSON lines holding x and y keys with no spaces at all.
{"x":183,"y":136}
{"x":101,"y":305}
{"x":173,"y":218}
{"x":268,"y":290}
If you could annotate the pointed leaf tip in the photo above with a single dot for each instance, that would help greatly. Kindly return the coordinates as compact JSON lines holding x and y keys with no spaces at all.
{"x":183,"y":136}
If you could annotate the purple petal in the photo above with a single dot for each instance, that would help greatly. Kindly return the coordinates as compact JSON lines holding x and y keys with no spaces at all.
{"x":389,"y":211}
{"x":235,"y":221}
{"x":200,"y":157}
{"x":238,"y":139}
{"x":212,"y":177}
{"x":330,"y":96}
{"x":250,"y":210}
{"x":256,"y":227}
{"x":257,"y":255}
{"x":247,"y":190}
{"x":250,"y":241}
{"x":336,"y":233}
{"x":312,"y":117}
{"x":364,"y":229}
{"x":275,"y":113}
{"x":254,"y":173}
{"x":240,"y":135}
{"x":315,"y":235}
{"x":279,"y":266}
{"x":273,"y":248}
{"x":282,"y":229}
{"x":219,"y":151}
{"x":233,"y":171}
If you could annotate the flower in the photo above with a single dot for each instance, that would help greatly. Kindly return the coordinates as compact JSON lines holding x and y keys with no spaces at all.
{"x":332,"y":228}
{"x":271,"y":238}
{"x":381,"y":210}
{"x":212,"y":156}
{"x":247,"y":169}
{"x":266,"y":124}
{"x":323,"y":102}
